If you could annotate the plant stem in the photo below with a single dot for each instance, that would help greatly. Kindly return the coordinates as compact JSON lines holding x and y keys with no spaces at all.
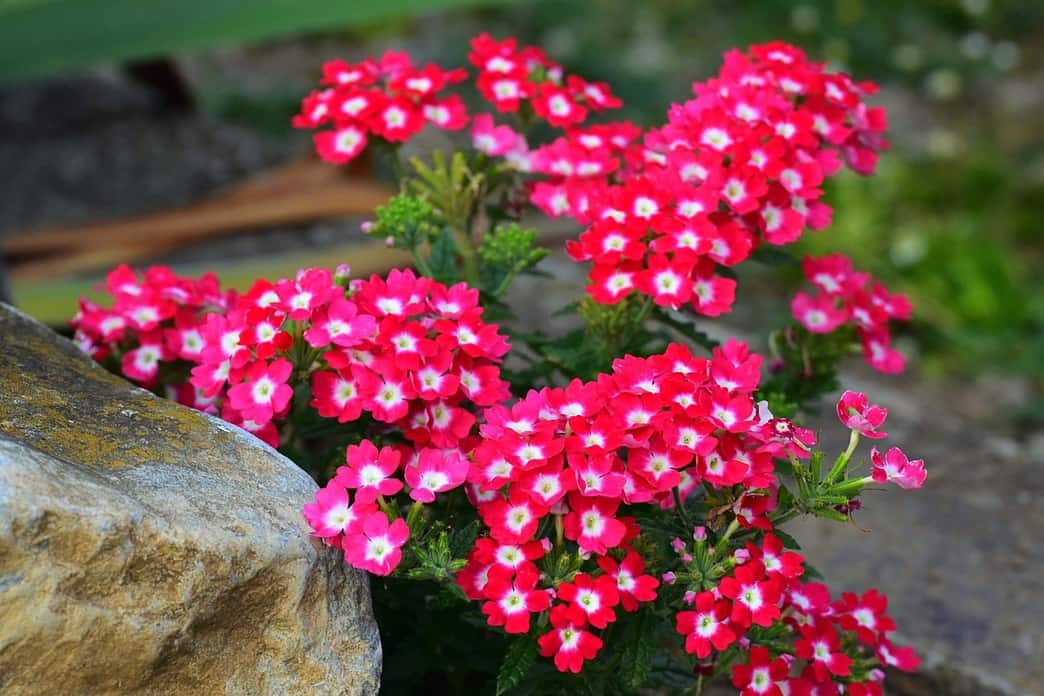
{"x":680,"y":504}
{"x":733,"y":526}
{"x":421,"y":264}
{"x":506,"y":283}
{"x":467,"y":254}
{"x":398,"y":169}
{"x":842,"y":460}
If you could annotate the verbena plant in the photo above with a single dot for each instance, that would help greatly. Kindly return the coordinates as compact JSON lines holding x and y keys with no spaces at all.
{"x":612,"y":499}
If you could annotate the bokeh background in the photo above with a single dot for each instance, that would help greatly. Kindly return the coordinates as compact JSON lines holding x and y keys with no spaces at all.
{"x":158,"y":131}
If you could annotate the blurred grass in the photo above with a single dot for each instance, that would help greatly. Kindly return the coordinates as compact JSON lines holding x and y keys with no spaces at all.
{"x":55,"y":301}
{"x":38,"y":37}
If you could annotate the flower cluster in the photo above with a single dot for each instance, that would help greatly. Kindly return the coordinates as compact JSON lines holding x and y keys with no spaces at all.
{"x":828,"y":642}
{"x":153,"y":321}
{"x":615,"y":492}
{"x":513,"y":78}
{"x":740,"y":164}
{"x":388,"y":98}
{"x":571,"y":461}
{"x":846,"y":296}
{"x":407,"y":351}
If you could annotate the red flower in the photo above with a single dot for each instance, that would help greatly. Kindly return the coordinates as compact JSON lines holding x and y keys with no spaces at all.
{"x":761,"y":675}
{"x":820,"y":645}
{"x":568,"y":641}
{"x":755,"y":599}
{"x":512,"y":598}
{"x":633,"y":586}
{"x":865,"y":615}
{"x":596,"y":597}
{"x":591,"y":523}
{"x":707,"y":626}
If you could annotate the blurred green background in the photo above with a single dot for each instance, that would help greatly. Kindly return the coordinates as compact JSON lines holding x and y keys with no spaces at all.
{"x":953,"y":217}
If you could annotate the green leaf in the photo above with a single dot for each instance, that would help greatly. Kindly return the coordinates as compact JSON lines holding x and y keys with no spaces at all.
{"x":811,"y":573}
{"x":789,"y":542}
{"x":773,"y":256}
{"x":636,"y":658}
{"x":686,"y":329}
{"x":518,"y":661}
{"x":46,"y":36}
{"x":443,"y":257}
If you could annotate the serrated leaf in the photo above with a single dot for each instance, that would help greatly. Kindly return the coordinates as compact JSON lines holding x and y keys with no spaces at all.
{"x":443,"y":257}
{"x":518,"y":661}
{"x":636,"y":658}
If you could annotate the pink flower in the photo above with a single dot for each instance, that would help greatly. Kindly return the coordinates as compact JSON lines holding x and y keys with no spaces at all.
{"x":376,"y":547}
{"x":592,"y":524}
{"x":492,"y":139}
{"x":340,"y":324}
{"x":265,"y":392}
{"x":857,"y":413}
{"x":332,"y":514}
{"x":435,"y":471}
{"x":817,"y":313}
{"x":894,"y":467}
{"x":370,"y":471}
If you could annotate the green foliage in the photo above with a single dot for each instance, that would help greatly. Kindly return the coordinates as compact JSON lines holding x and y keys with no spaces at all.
{"x":442,"y":261}
{"x":639,"y":641}
{"x":449,"y":185}
{"x":805,"y":368}
{"x":518,"y":663}
{"x":407,"y":220}
{"x":506,"y":251}
{"x":45,"y":36}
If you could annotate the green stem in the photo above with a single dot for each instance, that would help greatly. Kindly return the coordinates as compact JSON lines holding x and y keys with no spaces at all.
{"x":387,"y":508}
{"x":506,"y":283}
{"x":680,"y":505}
{"x":398,"y":168}
{"x":643,"y":312}
{"x":842,"y":460}
{"x":421,"y":264}
{"x":733,"y":526}
{"x":414,"y":513}
{"x":467,"y":254}
{"x":559,"y":531}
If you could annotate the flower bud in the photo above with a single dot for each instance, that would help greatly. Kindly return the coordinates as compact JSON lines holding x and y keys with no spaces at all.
{"x":342,"y":273}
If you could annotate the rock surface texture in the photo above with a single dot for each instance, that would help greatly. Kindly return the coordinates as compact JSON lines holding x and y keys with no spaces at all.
{"x":148,"y":549}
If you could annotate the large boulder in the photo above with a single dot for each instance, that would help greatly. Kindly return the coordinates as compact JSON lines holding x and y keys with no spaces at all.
{"x":146,"y":548}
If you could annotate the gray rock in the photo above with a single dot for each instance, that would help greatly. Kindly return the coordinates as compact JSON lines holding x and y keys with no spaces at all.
{"x":146,"y":548}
